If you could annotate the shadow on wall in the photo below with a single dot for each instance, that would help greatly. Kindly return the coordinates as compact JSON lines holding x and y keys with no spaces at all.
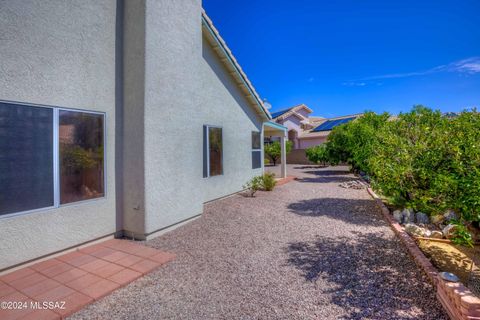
{"x":352,"y":211}
{"x":370,"y":276}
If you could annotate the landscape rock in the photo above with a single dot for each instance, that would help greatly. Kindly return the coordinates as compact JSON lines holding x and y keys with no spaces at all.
{"x":354,"y":184}
{"x":437,"y":219}
{"x":436,"y":234}
{"x":448,"y":231}
{"x":422,"y":218}
{"x":414,"y":230}
{"x":398,"y":216}
{"x":408,"y":216}
{"x":450,"y":215}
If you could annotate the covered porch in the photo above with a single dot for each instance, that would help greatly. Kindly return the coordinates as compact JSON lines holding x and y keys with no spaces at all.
{"x":272,"y":129}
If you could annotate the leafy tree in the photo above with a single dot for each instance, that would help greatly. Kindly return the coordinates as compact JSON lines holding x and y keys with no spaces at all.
{"x":464,"y":172}
{"x":422,"y":160}
{"x":273,"y":150}
{"x":411,"y":164}
{"x":317,"y":154}
{"x":354,"y":142}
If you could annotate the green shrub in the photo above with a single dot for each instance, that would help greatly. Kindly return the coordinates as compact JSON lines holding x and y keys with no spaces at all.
{"x":461,"y":235}
{"x":268,"y":181}
{"x":317,"y":154}
{"x":253,"y":185}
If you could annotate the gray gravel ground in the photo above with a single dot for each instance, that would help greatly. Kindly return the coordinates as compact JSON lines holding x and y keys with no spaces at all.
{"x":308,"y":250}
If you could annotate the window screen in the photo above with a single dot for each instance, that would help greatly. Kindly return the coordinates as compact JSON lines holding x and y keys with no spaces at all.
{"x":256,"y":150}
{"x":212,"y":151}
{"x":256,"y":159}
{"x":26,"y":158}
{"x":81,"y":156}
{"x":256,"y":143}
{"x":215,"y":144}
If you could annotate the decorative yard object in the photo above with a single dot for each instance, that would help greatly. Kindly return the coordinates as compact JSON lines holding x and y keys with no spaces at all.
{"x":448,"y":276}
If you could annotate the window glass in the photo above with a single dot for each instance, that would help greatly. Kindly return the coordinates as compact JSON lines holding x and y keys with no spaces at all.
{"x":256,"y":159}
{"x":26,"y":158}
{"x":81,"y":156}
{"x":256,"y":143}
{"x":215,"y":151}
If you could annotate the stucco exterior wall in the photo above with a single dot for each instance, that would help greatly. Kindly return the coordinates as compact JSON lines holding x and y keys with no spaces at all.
{"x":307,"y":143}
{"x":186,"y":87}
{"x":60,"y":53}
{"x":292,"y":123}
{"x":133,"y":131}
{"x":303,"y":112}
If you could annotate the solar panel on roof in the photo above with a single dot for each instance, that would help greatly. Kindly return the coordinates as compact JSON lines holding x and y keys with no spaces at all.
{"x":279,"y":113}
{"x":330,"y":124}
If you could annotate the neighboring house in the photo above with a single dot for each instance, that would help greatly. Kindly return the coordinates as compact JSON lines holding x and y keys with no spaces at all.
{"x":117,"y":118}
{"x":305,"y":130}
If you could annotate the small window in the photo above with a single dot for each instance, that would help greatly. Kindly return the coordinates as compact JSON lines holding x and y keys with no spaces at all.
{"x":256,"y":150}
{"x":26,"y":158}
{"x":213,"y":151}
{"x":81,"y":156}
{"x":256,"y":143}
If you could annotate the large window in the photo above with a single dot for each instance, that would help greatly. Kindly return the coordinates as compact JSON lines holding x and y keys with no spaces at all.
{"x":48,"y":157}
{"x":213,"y":151}
{"x":256,"y":150}
{"x":26,"y":158}
{"x":81,"y":156}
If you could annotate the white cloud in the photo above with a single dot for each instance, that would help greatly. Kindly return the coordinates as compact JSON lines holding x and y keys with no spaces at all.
{"x":468,"y":66}
{"x":354,"y":84}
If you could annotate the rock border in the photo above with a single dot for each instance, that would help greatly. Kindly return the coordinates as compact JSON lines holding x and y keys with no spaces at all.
{"x":459,"y":302}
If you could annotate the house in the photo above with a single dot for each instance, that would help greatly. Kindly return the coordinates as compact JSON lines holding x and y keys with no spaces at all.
{"x":305,"y":130}
{"x":117,"y":118}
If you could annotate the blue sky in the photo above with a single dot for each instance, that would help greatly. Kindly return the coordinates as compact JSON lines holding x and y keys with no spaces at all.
{"x":346,"y":56}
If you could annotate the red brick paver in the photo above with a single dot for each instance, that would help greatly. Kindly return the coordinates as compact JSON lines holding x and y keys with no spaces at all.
{"x":58,"y":287}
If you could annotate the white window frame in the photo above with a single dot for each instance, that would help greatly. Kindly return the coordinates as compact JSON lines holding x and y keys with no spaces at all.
{"x":208,"y":149}
{"x":56,"y":159}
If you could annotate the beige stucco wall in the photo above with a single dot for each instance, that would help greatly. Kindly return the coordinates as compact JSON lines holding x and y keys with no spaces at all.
{"x":186,"y":87}
{"x":307,"y":143}
{"x":60,"y":53}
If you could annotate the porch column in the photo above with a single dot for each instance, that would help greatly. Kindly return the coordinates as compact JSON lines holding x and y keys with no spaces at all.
{"x":283,"y":156}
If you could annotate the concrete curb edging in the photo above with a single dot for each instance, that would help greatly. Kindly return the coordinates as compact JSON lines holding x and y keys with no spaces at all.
{"x":459,"y":302}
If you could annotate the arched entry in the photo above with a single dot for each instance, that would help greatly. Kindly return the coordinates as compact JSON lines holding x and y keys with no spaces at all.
{"x":293,"y":136}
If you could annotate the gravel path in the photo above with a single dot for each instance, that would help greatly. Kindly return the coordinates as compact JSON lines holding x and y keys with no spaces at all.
{"x":308,"y":250}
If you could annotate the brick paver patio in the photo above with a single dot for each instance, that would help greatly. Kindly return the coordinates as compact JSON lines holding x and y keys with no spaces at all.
{"x":58,"y":287}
